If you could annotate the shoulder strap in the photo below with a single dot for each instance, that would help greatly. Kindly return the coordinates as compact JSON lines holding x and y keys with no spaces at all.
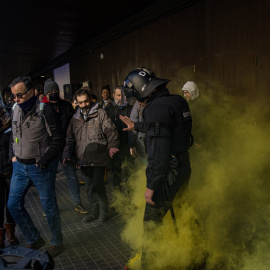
{"x":13,"y":107}
{"x":41,"y":107}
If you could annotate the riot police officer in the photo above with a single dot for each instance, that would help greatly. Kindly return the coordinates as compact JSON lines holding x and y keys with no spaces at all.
{"x":167,"y":124}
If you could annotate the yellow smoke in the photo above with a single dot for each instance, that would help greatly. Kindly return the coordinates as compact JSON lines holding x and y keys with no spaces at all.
{"x":225,"y":220}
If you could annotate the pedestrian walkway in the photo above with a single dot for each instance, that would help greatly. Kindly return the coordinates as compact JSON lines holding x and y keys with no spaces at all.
{"x":93,"y":245}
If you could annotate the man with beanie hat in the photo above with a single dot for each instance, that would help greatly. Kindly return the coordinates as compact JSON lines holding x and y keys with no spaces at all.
{"x":36,"y":141}
{"x":65,"y":111}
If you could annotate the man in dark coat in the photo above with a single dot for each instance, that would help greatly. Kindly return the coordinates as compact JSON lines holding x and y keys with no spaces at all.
{"x":65,"y":112}
{"x":118,"y":107}
{"x":93,"y":136}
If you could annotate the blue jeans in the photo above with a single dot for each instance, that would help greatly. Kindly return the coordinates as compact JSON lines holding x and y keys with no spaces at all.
{"x":72,"y":179}
{"x":22,"y":178}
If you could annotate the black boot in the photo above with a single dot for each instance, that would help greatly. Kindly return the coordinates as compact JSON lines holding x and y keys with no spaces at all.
{"x":93,"y":215}
{"x":10,"y":230}
{"x":104,"y":215}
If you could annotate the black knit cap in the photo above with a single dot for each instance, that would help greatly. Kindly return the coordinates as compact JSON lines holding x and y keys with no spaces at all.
{"x":49,"y":86}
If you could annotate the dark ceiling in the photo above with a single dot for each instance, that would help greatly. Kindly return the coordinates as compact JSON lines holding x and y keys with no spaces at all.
{"x":37,"y":36}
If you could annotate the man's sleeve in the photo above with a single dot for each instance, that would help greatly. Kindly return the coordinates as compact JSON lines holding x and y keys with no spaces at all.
{"x":132,"y":135}
{"x":140,"y":126}
{"x":57,"y":142}
{"x":70,"y":142}
{"x":11,"y":151}
{"x":158,"y":152}
{"x":110,"y":131}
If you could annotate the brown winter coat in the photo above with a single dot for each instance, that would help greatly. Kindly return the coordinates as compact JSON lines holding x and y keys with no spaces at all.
{"x":92,"y":138}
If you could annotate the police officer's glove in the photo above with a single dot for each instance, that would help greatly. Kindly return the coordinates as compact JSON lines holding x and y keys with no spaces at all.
{"x":171,"y":177}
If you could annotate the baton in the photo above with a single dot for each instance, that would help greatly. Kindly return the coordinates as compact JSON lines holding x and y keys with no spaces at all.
{"x":168,"y":198}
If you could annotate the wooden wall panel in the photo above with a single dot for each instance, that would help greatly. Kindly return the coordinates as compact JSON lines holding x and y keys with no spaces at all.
{"x":222,"y":45}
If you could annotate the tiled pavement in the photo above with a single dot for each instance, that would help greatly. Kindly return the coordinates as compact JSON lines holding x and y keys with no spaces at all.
{"x":93,"y":245}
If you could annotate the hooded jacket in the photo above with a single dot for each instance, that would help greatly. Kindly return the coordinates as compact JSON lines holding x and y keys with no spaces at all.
{"x":193,"y":90}
{"x":200,"y":109}
{"x":91,"y":138}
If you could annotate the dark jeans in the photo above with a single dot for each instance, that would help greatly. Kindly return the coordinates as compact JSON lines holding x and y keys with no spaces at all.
{"x":22,"y":178}
{"x":72,"y":179}
{"x":96,"y":191}
{"x":4,"y":191}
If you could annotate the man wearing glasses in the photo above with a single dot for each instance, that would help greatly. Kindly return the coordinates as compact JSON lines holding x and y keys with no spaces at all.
{"x":36,"y":142}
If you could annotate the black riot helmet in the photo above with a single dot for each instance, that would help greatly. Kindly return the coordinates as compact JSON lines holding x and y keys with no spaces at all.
{"x":141,"y":82}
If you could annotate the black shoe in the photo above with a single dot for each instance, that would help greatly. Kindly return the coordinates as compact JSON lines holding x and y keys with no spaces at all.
{"x":79,"y":208}
{"x":38,"y":244}
{"x":104,"y":216}
{"x":56,"y":250}
{"x":93,"y":215}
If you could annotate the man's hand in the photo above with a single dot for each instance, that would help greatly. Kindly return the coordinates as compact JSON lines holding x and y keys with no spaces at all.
{"x":128,"y":122}
{"x":65,"y":161}
{"x":148,"y":196}
{"x":41,"y":166}
{"x":14,"y":159}
{"x":112,"y":151}
{"x":133,"y":151}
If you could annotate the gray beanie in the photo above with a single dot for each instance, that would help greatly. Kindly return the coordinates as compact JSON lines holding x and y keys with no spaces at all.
{"x":49,"y":86}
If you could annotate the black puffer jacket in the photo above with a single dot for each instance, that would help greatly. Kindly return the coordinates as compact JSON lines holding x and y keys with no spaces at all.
{"x":65,"y":111}
{"x":113,"y":112}
{"x":5,"y":162}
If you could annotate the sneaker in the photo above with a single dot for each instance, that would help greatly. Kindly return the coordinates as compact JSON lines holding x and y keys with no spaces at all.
{"x":56,"y":250}
{"x":81,"y":183}
{"x":93,"y":215}
{"x":38,"y":244}
{"x":79,"y":208}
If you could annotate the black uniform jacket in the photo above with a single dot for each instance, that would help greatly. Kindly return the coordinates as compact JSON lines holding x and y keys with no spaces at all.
{"x":167,"y":123}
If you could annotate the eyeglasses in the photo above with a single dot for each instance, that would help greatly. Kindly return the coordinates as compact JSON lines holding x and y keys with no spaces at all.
{"x":20,"y":95}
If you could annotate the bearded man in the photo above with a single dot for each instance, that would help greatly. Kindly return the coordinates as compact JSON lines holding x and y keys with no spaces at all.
{"x":94,"y":137}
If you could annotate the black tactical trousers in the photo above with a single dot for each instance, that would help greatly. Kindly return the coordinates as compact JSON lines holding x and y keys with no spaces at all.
{"x":164,"y":193}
